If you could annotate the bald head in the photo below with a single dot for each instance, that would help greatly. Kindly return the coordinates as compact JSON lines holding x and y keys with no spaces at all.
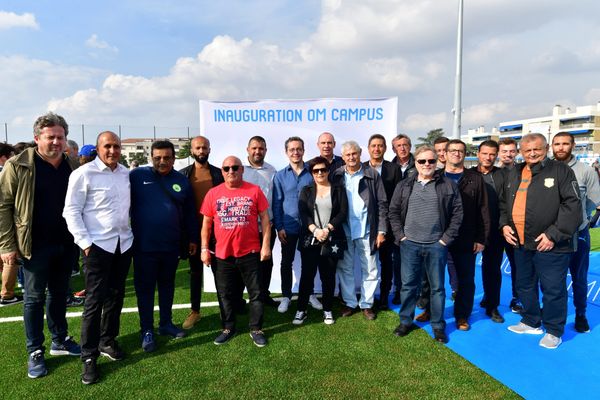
{"x":232,"y":171}
{"x":200,"y":149}
{"x":326,"y":144}
{"x":108,"y":147}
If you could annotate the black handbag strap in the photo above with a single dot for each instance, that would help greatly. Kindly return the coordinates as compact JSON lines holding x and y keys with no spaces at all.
{"x":318,"y":215}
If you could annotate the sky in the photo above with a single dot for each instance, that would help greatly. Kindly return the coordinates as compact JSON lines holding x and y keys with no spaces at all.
{"x":141,"y":64}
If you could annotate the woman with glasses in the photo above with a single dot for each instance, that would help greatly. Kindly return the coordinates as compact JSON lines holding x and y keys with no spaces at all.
{"x":323,"y":208}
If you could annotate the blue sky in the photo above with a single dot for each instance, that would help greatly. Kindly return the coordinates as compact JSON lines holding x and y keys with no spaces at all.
{"x":147,"y":63}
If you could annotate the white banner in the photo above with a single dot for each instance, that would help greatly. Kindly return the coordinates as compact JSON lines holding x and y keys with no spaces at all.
{"x":229,"y":126}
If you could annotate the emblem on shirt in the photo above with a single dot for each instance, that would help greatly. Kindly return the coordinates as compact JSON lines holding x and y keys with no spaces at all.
{"x":549,"y":182}
{"x":176,"y":188}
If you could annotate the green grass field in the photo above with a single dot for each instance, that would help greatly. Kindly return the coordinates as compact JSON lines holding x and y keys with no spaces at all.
{"x":352,"y":359}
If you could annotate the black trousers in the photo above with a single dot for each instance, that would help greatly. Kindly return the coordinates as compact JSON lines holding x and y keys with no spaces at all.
{"x":288,"y":252}
{"x":266,"y":269}
{"x":311,"y":261}
{"x":464,"y":261}
{"x":491,"y":272}
{"x":387,"y":268}
{"x":196,"y":277}
{"x":510,"y":254}
{"x":105,"y":275}
{"x":226,"y":278}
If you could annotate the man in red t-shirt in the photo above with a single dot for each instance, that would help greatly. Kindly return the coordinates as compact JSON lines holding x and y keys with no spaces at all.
{"x":232,"y":209}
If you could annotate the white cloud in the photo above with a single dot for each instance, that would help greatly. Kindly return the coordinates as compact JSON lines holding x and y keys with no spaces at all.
{"x":423,"y":123}
{"x":96,"y":43}
{"x":9,"y":20}
{"x":484,"y":114}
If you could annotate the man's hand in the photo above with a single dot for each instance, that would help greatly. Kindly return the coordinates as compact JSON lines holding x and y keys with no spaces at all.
{"x":509,"y":235}
{"x":477,"y":247}
{"x":265,"y":253}
{"x":380,"y":239}
{"x":9,"y":258}
{"x":544,"y":244}
{"x":282,"y":236}
{"x":193,"y":247}
{"x":205,"y":257}
{"x":86,"y":252}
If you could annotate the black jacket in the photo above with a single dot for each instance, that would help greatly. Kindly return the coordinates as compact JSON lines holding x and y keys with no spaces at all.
{"x":449,"y":202}
{"x":497,"y":176}
{"x":339,"y":210}
{"x":410,"y":170}
{"x":475,"y":225}
{"x":391,"y":174}
{"x":372,"y":193}
{"x":553,"y":204}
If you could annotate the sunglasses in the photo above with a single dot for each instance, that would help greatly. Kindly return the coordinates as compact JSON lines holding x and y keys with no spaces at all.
{"x":316,"y":171}
{"x":234,"y":168}
{"x":430,"y":161}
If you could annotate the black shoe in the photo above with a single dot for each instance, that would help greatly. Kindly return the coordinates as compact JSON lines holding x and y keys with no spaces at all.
{"x":495,"y":316}
{"x":440,"y":336}
{"x":403,"y":330}
{"x":73,"y":301}
{"x":396,"y":298}
{"x":453,"y":295}
{"x":90,"y":372}
{"x":482,"y":303}
{"x":258,"y":337}
{"x":112,"y":351}
{"x":422,"y":303}
{"x":268,"y":301}
{"x":581,"y":324}
{"x":515,"y":306}
{"x":384,"y":302}
{"x":224,"y":336}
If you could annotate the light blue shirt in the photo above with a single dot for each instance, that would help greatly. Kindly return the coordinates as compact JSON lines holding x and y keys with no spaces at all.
{"x":356,"y":226}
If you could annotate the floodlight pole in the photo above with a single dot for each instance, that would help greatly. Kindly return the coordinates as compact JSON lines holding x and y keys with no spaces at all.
{"x":458,"y":82}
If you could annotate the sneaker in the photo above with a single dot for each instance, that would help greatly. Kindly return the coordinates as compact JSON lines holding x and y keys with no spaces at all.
{"x":284,"y":305}
{"x":328,"y":318}
{"x":550,"y":341}
{"x":73,"y":301}
{"x":67,"y":348}
{"x":90,"y":372}
{"x":171,"y":330}
{"x":191,"y":320}
{"x":258,"y":337}
{"x":224,"y":337}
{"x":299,"y":318}
{"x":74,"y":273}
{"x":515,"y":306}
{"x":112,"y":351}
{"x":148,"y":343}
{"x":80,"y":294}
{"x":521,"y":328}
{"x":314,"y":302}
{"x":581,"y":324}
{"x":36,"y":365}
{"x":13,"y":300}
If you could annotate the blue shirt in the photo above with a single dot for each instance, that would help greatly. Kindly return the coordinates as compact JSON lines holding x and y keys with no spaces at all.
{"x":286,"y":190}
{"x":156,"y":220}
{"x":356,"y":226}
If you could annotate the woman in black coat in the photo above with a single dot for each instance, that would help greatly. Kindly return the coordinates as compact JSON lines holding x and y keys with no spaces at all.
{"x":319,"y":225}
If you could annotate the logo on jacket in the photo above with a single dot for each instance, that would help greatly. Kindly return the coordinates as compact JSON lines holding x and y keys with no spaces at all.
{"x":549,"y":182}
{"x":177,"y":188}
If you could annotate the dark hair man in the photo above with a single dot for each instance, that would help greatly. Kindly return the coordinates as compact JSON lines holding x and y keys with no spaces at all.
{"x":162,"y":207}
{"x":540,"y":213}
{"x":401,"y":145}
{"x":33,"y":185}
{"x":326,"y":144}
{"x":6,"y":152}
{"x":202,"y":177}
{"x":389,"y":254}
{"x":439,"y":145}
{"x":97,"y":214}
{"x":232,"y":211}
{"x":507,"y":152}
{"x":425,"y":214}
{"x":589,"y":190}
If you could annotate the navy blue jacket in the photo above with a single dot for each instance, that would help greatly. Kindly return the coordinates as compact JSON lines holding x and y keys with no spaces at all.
{"x":156,"y":220}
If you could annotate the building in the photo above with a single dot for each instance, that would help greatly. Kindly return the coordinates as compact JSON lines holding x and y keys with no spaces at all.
{"x":130,"y":148}
{"x":476,"y":136}
{"x":583,"y":124}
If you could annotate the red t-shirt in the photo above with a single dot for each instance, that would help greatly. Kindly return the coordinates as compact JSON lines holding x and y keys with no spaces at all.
{"x":235,"y":218}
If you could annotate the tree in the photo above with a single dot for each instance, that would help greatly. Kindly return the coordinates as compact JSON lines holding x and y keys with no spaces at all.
{"x":431,"y":136}
{"x":141,"y":158}
{"x":123,"y":160}
{"x":184,"y":151}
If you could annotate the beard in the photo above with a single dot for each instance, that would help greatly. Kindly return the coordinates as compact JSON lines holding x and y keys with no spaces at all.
{"x":201,"y":159}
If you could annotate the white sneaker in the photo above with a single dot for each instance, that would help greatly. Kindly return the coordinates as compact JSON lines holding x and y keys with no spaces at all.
{"x":314,"y":302}
{"x":524,"y":328}
{"x":328,"y":318}
{"x":550,"y":341}
{"x":284,"y":305}
{"x":299,"y":318}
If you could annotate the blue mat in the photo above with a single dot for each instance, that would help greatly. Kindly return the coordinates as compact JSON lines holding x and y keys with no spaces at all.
{"x":517,"y":360}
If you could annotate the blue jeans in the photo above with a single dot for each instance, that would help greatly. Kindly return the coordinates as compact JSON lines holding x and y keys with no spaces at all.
{"x":548,"y":270}
{"x":149,"y":271}
{"x":49,"y":268}
{"x":578,"y":266}
{"x":417,"y":257}
{"x":358,"y":249}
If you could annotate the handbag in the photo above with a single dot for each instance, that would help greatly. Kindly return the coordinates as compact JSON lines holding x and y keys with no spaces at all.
{"x":184,"y":239}
{"x":333,"y":248}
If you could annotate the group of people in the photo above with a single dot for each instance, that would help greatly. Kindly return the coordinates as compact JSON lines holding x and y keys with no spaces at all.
{"x":399,"y":222}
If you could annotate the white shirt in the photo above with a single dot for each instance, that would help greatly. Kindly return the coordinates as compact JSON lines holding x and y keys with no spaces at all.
{"x":97,"y":206}
{"x":263,"y":178}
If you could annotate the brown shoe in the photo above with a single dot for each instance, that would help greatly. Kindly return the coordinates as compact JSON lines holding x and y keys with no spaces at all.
{"x":462,"y":324}
{"x":347,"y":311}
{"x":423,"y":317}
{"x":191,"y":320}
{"x":369,"y":314}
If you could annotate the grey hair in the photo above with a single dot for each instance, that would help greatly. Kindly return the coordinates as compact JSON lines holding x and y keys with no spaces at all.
{"x":530,"y":137}
{"x":47,"y":121}
{"x":351,"y":144}
{"x":423,"y":149}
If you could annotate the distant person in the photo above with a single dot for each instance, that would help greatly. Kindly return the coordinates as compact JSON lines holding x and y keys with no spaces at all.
{"x":326,"y":145}
{"x":540,"y":213}
{"x":72,"y":149}
{"x":32,"y":195}
{"x":6,"y":152}
{"x":401,"y":145}
{"x":507,"y":152}
{"x":133,"y":164}
{"x":439,"y":145}
{"x":232,"y":210}
{"x":87,"y":153}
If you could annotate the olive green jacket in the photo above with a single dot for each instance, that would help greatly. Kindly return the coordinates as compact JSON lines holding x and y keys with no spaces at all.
{"x":16,"y":202}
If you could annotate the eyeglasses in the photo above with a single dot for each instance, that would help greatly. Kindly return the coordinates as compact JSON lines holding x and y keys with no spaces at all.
{"x":158,"y":159}
{"x":234,"y":168}
{"x":430,"y":161}
{"x":316,"y":171}
{"x":458,"y":151}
